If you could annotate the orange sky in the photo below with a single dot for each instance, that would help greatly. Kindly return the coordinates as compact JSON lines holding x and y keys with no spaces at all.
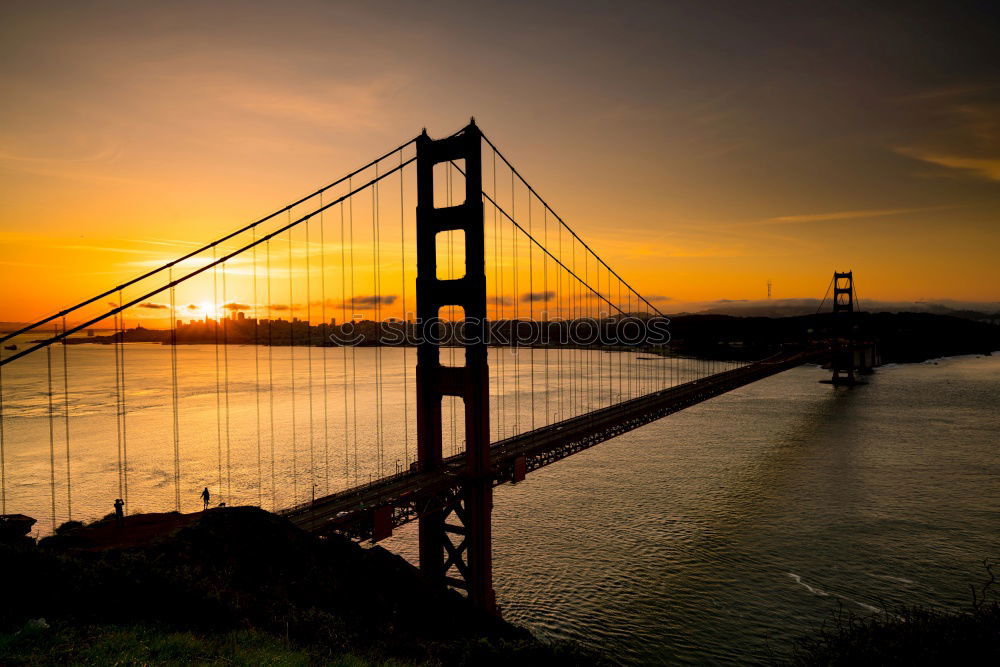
{"x":701,"y":151}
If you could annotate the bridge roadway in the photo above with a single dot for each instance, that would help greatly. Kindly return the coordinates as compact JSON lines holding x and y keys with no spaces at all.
{"x":371,"y":511}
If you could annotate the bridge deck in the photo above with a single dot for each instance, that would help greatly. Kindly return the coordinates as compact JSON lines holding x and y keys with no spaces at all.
{"x":409,"y":494}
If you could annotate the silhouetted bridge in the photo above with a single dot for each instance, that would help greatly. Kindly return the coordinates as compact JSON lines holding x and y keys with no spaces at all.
{"x":499,"y":277}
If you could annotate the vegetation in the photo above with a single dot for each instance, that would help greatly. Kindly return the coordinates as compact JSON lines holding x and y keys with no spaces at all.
{"x":911,"y":636}
{"x":237,"y":585}
{"x":143,"y":645}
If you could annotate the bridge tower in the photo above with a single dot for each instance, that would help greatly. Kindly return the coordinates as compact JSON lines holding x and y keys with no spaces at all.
{"x":463,"y":547}
{"x":843,"y":347}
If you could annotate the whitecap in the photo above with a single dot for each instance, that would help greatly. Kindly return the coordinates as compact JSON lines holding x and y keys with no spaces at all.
{"x":815,"y":591}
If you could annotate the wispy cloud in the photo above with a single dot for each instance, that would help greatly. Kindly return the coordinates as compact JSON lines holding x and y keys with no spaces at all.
{"x":374,"y":300}
{"x":535,"y":297}
{"x":849,"y":215}
{"x":988,"y":168}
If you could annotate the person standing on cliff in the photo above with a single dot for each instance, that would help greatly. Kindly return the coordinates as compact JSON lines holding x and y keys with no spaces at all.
{"x":205,"y":495}
{"x":119,"y":512}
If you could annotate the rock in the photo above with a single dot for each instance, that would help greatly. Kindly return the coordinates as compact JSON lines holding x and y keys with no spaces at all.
{"x":14,"y":528}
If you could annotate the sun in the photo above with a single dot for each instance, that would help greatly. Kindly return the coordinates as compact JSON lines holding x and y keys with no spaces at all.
{"x":209,"y":309}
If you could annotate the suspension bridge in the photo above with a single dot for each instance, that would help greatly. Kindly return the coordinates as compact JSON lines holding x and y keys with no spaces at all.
{"x":385,"y":349}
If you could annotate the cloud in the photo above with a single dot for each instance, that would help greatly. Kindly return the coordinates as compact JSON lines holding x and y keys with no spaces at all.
{"x":232,"y":306}
{"x":497,"y":300}
{"x":987,"y":168}
{"x":373,"y":300}
{"x":850,"y":215}
{"x":657,"y":297}
{"x":284,"y":306}
{"x":534,"y":297}
{"x":192,"y":306}
{"x":149,"y":305}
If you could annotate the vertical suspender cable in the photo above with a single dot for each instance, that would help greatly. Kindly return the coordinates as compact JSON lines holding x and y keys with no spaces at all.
{"x":3,"y":453}
{"x":69,"y":481}
{"x":270,"y":373}
{"x":323,"y":349}
{"x":531,"y":314}
{"x":118,"y":404}
{"x":52,"y":436}
{"x":309,"y":364}
{"x":515,"y":335}
{"x":376,"y":229}
{"x":256,"y":372}
{"x":174,"y":396}
{"x":618,"y":343}
{"x":291,"y":364}
{"x":578,"y":376}
{"x":225,"y":358}
{"x":588,"y":353}
{"x":121,"y":353}
{"x":630,"y":371}
{"x":218,"y":369}
{"x":545,"y":317}
{"x":562,"y":323}
{"x":451,"y":309}
{"x":343,"y":346}
{"x":406,"y":337}
{"x":354,"y":356}
{"x":499,"y":306}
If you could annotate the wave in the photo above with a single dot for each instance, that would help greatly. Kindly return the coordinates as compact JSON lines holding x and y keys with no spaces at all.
{"x":821,"y":593}
{"x":815,"y":591}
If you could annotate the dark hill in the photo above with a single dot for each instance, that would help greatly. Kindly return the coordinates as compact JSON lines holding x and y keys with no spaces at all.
{"x":244,"y":568}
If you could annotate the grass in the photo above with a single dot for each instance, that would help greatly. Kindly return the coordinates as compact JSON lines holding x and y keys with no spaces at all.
{"x":153,"y":645}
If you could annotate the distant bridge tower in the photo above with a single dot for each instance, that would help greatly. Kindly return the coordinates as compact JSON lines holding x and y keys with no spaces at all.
{"x":463,"y":547}
{"x":843,"y":343}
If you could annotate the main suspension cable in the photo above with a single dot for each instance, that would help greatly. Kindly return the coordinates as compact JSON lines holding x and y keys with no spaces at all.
{"x":215,"y":261}
{"x":557,"y":216}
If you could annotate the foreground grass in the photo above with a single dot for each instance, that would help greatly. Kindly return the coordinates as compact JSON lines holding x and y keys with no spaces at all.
{"x":151,"y":645}
{"x":910,"y":636}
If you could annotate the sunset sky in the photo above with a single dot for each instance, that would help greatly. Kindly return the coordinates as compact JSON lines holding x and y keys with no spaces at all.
{"x":702,"y":147}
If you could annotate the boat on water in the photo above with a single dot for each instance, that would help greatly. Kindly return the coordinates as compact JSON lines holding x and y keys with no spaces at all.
{"x":10,"y":347}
